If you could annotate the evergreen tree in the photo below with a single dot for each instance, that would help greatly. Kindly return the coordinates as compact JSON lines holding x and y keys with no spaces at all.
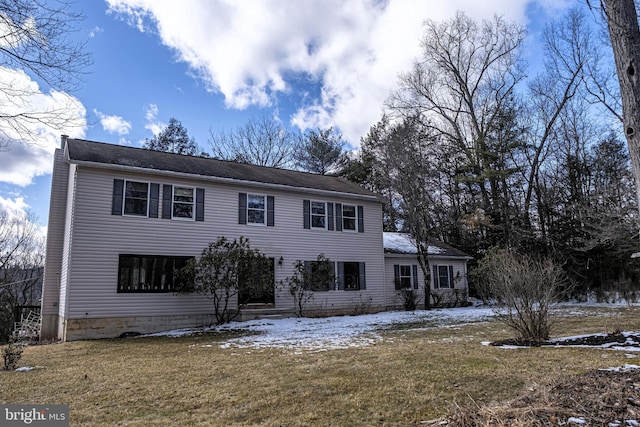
{"x":319,"y":151}
{"x":173,"y":139}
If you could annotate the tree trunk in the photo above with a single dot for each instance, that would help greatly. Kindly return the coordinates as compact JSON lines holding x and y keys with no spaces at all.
{"x":622,"y":20}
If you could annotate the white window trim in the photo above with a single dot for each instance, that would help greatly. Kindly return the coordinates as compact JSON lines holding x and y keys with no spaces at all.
{"x":311,"y":215}
{"x":259,"y":224}
{"x":124,"y":198}
{"x":173,"y":200}
{"x":348,"y":230}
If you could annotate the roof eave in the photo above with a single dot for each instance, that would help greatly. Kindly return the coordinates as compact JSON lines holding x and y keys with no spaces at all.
{"x":217,"y":179}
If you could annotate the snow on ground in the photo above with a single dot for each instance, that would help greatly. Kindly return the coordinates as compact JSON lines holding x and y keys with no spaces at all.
{"x":341,"y":332}
{"x":338,"y":332}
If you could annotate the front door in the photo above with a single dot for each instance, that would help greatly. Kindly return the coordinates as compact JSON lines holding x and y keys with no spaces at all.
{"x":255,"y":295}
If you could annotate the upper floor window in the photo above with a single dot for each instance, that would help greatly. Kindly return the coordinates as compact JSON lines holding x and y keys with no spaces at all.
{"x":183,"y":203}
{"x":318,"y":215}
{"x":256,"y":209}
{"x":349,"y":217}
{"x":136,"y":198}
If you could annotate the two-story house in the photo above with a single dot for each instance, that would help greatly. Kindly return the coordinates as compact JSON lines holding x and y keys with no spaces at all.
{"x":122,"y":220}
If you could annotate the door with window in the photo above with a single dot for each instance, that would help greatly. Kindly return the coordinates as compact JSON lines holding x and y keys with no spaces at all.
{"x":250,"y":294}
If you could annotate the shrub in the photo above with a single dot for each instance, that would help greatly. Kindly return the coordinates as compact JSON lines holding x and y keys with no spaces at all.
{"x":524,"y":290}
{"x":225,"y":269}
{"x":306,"y":277}
{"x":409,"y":299}
{"x":11,"y":355}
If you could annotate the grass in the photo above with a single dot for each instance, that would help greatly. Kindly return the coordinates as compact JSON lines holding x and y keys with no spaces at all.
{"x":409,"y":377}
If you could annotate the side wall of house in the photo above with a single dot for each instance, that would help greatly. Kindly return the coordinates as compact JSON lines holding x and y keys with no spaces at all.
{"x":442,"y":296}
{"x":55,"y":241}
{"x":95,"y":307}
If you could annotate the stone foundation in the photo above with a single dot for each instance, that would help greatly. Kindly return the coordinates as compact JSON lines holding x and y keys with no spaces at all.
{"x":79,"y":329}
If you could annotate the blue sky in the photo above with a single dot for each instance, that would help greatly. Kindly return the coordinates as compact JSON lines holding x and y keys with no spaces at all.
{"x":214,"y":64}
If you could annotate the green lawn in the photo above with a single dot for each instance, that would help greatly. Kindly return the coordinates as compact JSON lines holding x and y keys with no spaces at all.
{"x":408,"y":377}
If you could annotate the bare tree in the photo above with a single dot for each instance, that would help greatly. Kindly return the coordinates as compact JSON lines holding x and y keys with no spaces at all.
{"x":460,"y":87}
{"x":262,"y":142}
{"x":21,"y":263}
{"x":35,"y":38}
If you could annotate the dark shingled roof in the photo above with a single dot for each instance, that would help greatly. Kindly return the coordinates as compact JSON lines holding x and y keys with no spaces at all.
{"x":117,"y":155}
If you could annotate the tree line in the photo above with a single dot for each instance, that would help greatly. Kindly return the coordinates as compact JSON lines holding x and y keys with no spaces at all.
{"x":476,"y":150}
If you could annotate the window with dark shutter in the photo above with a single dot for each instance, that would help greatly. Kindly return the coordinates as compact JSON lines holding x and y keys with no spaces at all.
{"x":414,"y":270}
{"x":351,"y":276}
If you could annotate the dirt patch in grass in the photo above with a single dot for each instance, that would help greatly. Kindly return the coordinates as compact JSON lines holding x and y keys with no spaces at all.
{"x":613,"y":339}
{"x":596,"y":398}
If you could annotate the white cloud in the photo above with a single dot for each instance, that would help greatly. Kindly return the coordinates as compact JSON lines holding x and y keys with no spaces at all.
{"x":113,"y":124}
{"x":13,"y":207}
{"x":95,"y":31}
{"x":353,"y":49}
{"x":34,"y":140}
{"x":153,"y":124}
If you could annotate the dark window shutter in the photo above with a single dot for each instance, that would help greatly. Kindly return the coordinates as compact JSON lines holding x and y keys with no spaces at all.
{"x":306,"y":213}
{"x":363,"y":276}
{"x":338,"y":216}
{"x":329,"y":216}
{"x":332,"y":285}
{"x":396,"y":275}
{"x":154,"y":195}
{"x":199,"y":204}
{"x":341,"y":276}
{"x":436,"y":276}
{"x":242,"y":208}
{"x":307,"y":268}
{"x":451,"y":276}
{"x":360,"y":219}
{"x":414,"y":271}
{"x":116,"y":203}
{"x":167,"y":195}
{"x":270,"y":211}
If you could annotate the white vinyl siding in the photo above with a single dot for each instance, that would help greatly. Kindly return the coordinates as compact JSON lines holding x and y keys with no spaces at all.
{"x":100,"y":237}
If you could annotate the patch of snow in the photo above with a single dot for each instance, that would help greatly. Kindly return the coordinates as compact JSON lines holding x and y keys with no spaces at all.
{"x":402,"y":242}
{"x":26,"y":368}
{"x":574,"y":420}
{"x":625,"y":368}
{"x":341,"y":332}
